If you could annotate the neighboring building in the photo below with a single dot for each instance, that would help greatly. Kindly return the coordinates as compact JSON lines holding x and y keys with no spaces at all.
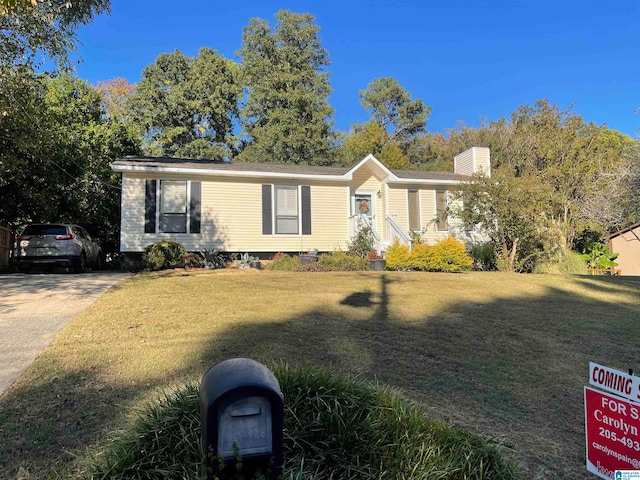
{"x":265,"y":207}
{"x":626,"y":243}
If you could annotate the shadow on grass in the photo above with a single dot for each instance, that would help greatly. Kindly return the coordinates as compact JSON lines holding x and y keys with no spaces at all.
{"x":512,"y":368}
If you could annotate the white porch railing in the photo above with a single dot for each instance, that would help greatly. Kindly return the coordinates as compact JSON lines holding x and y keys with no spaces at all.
{"x":358,"y":221}
{"x":396,"y":232}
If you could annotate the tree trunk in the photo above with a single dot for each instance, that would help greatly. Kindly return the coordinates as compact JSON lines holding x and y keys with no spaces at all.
{"x":510,"y":254}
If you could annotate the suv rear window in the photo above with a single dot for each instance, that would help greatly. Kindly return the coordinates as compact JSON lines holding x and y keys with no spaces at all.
{"x":44,"y":230}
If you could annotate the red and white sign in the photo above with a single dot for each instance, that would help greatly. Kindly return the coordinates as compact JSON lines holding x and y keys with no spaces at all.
{"x":615,"y":381}
{"x":613,"y":433}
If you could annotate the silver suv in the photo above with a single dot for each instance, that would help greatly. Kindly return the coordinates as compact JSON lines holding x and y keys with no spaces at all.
{"x":56,"y":245}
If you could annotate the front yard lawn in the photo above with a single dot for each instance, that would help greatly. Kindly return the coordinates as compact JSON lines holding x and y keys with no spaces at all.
{"x":503,"y":355}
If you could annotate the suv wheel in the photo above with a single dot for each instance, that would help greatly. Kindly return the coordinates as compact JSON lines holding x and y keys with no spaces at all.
{"x":81,"y":266}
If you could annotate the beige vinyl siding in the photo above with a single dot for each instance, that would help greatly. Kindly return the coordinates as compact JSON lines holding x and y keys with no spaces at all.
{"x":482,"y":160}
{"x":463,"y":163}
{"x":399,"y":206}
{"x":473,"y":160}
{"x":231,"y":217}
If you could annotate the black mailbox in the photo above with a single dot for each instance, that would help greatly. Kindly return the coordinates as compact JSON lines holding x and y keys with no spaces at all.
{"x":241,"y":406}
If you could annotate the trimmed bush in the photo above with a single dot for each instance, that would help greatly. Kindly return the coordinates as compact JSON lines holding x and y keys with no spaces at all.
{"x":398,"y":257}
{"x":285,"y":263}
{"x":163,"y":255}
{"x":335,"y":427}
{"x":342,"y":262}
{"x":447,"y":255}
{"x":450,"y":255}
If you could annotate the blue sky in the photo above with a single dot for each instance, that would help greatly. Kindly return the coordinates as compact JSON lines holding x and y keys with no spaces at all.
{"x":467,"y":59}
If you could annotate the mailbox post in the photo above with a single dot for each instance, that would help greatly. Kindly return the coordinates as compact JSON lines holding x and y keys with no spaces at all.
{"x":241,"y":406}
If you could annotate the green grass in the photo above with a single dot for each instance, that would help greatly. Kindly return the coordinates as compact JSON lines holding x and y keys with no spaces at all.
{"x":503,"y":355}
{"x":335,"y":427}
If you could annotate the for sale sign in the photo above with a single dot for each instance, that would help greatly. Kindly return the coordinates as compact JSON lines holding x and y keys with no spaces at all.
{"x":615,"y":381}
{"x":613,"y":433}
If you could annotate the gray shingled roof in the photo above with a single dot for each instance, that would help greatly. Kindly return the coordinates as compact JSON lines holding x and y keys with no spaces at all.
{"x":160,"y":162}
{"x":230,"y":166}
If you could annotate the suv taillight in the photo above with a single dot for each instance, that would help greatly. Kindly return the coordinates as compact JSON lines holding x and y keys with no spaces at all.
{"x":64,"y":237}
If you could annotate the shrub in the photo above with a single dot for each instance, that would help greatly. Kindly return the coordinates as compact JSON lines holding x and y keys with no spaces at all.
{"x":309,"y":267}
{"x":484,"y":256}
{"x":193,"y":260}
{"x":374,"y":255}
{"x":284,"y":263}
{"x":163,"y":255}
{"x":447,"y":255}
{"x":421,"y":258}
{"x":362,"y":243}
{"x":597,"y":255}
{"x":278,"y":256}
{"x":335,"y":427}
{"x":342,"y":262}
{"x":450,"y":255}
{"x":566,"y":262}
{"x":398,"y":257}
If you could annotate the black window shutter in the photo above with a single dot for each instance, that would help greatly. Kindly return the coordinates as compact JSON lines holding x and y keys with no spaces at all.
{"x":194,"y":207}
{"x":306,"y":210}
{"x":150,"y":206}
{"x":267,"y":213}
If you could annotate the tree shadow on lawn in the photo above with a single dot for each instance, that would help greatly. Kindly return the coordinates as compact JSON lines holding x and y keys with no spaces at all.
{"x":512,"y":368}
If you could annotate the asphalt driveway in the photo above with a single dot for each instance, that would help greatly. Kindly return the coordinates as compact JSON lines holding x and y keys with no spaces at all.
{"x":35,"y":308}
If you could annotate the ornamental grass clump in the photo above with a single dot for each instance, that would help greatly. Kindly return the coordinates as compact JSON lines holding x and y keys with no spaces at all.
{"x":335,"y":427}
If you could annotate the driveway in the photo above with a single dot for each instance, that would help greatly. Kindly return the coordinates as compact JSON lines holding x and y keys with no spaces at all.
{"x":35,"y":308}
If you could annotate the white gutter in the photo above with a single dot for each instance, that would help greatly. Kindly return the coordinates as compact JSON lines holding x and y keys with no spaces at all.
{"x":228,"y":173}
{"x":426,"y":181}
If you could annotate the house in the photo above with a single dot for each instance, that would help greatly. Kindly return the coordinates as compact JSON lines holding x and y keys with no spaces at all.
{"x":264,"y":208}
{"x":626,"y":243}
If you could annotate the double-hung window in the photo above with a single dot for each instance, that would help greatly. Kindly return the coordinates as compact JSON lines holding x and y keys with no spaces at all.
{"x":173,"y":206}
{"x":287,"y":211}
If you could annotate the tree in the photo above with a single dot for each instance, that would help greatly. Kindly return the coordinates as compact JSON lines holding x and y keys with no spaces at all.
{"x":391,"y":107}
{"x":510,"y":211}
{"x":47,"y":26}
{"x":115,"y":96}
{"x":59,"y":168}
{"x":590,"y":171}
{"x":372,"y":138}
{"x":286,"y":118}
{"x":186,"y":106}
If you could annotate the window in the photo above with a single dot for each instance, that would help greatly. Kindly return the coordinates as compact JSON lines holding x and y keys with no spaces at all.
{"x":173,"y":206}
{"x":363,"y":204}
{"x":286,"y":206}
{"x":414,"y":211}
{"x":441,"y":211}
